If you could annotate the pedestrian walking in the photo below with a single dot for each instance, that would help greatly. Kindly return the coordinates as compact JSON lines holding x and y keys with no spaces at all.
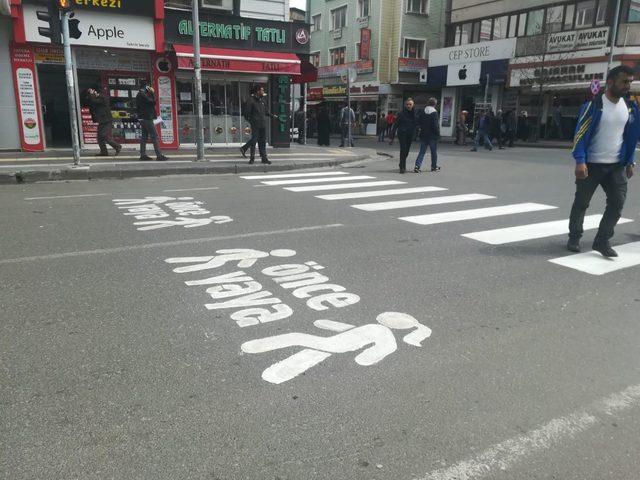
{"x":298,"y":121}
{"x":523,"y":130}
{"x":101,"y":114}
{"x":604,"y":147}
{"x":429,"y":124}
{"x":496,"y":129}
{"x":405,"y":126}
{"x":510,"y":123}
{"x":324,"y":127}
{"x":146,"y":111}
{"x":483,"y":132}
{"x":347,"y":119}
{"x":462,"y":130}
{"x":381,"y":127}
{"x":391,"y":118}
{"x":256,"y":113}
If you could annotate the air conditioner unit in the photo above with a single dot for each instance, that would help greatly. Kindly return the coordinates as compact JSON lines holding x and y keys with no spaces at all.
{"x":423,"y":76}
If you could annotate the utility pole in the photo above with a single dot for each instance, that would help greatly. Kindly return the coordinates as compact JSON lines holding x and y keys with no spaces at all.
{"x":198,"y":82}
{"x":68,"y":68}
{"x":614,"y":37}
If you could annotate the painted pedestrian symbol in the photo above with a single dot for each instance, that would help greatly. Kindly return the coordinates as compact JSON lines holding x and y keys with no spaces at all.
{"x":378,"y":339}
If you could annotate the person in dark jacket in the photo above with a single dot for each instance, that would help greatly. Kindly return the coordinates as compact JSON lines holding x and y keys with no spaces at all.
{"x":101,"y":114}
{"x":298,"y":122}
{"x":381,"y":127}
{"x":146,"y":111}
{"x":510,"y":122}
{"x":482,"y":134}
{"x":405,"y":125}
{"x":256,"y":113}
{"x":429,"y":125}
{"x":324,"y":127}
{"x":495,"y":129}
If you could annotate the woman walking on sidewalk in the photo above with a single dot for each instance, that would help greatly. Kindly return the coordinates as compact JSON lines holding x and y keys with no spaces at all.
{"x":405,"y":126}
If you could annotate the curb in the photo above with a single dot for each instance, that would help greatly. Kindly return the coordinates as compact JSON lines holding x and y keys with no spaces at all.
{"x":119,"y":173}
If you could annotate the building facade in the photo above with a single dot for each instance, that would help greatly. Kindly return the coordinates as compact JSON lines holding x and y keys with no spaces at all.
{"x":385,"y":41}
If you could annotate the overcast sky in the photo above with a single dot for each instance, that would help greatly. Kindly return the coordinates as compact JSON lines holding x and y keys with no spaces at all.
{"x":298,"y":4}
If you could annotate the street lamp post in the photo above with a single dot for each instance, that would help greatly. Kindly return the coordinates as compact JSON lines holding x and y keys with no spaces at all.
{"x":198,"y":83}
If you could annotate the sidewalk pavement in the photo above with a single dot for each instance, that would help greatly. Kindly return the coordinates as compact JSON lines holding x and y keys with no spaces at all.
{"x":19,"y":167}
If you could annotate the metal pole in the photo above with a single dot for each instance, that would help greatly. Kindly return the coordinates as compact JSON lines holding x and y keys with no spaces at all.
{"x":68,"y":70}
{"x":614,"y":38}
{"x":303,"y":96}
{"x":349,"y":107}
{"x":198,"y":83}
{"x":486,"y":91}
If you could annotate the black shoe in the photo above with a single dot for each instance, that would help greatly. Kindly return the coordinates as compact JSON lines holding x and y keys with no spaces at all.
{"x":243,"y":152}
{"x":162,"y":158}
{"x":251,"y":160}
{"x":102,"y":154}
{"x":474,"y":149}
{"x":403,"y":170}
{"x":266,"y":161}
{"x":605,"y":249}
{"x":118,"y":150}
{"x":573,"y":246}
{"x":416,"y":170}
{"x":435,"y":169}
{"x":501,"y":148}
{"x":145,"y":158}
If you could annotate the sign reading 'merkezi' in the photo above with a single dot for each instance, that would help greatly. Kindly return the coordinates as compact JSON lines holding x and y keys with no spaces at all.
{"x":136,"y":7}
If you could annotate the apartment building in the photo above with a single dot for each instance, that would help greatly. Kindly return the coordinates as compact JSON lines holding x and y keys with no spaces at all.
{"x":386,"y":41}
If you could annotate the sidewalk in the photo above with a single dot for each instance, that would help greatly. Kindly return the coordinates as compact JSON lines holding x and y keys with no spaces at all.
{"x":19,"y":167}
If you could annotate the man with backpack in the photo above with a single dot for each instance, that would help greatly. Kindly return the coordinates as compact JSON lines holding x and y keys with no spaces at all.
{"x":347,"y":119}
{"x":256,"y":113}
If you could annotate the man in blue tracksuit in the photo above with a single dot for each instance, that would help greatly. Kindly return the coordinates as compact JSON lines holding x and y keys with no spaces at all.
{"x":604,"y":146}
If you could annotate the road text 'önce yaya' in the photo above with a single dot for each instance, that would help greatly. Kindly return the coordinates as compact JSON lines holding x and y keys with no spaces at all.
{"x":253,"y":305}
{"x":153,"y":213}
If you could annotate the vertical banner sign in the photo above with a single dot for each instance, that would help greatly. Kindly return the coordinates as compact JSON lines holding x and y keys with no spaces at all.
{"x":164,"y":72}
{"x":24,"y":79}
{"x":365,"y":43}
{"x":447,"y":111}
{"x":280,"y":106}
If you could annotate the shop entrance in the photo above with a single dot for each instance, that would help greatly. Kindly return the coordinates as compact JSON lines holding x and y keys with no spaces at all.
{"x":55,"y":106}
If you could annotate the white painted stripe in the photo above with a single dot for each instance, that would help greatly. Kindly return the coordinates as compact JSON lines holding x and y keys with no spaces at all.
{"x":532,"y":231}
{"x":336,"y":186}
{"x":506,"y":455}
{"x":379,"y":193}
{"x":421,"y":202}
{"x":291,"y":175}
{"x":316,"y":180}
{"x":595,"y":264}
{"x":456,"y":216}
{"x":190,"y":189}
{"x":67,"y":196}
{"x":174,"y":243}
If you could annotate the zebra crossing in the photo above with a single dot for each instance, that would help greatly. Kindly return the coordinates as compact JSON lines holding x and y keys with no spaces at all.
{"x":368,"y":186}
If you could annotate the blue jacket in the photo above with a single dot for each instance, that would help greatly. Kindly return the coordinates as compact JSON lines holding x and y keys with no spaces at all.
{"x":588,"y":121}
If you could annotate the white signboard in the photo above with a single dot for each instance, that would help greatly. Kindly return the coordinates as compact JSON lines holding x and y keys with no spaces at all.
{"x":578,"y":40}
{"x":28,"y":106}
{"x":98,"y":29}
{"x":475,"y":52}
{"x":112,"y":60}
{"x":463,"y":74}
{"x":561,"y":74}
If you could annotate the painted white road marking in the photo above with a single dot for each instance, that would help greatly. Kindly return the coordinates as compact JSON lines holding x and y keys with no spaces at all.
{"x":379,"y":193}
{"x":317,"y":188}
{"x":192,"y":241}
{"x":191,"y":189}
{"x":532,"y":231}
{"x":456,"y":216}
{"x":421,"y":202}
{"x":292,"y":175}
{"x":504,"y":456}
{"x":316,"y":180}
{"x":67,"y":196}
{"x":595,"y":264}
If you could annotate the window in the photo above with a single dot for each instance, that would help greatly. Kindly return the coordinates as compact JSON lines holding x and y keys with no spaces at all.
{"x":534,"y":22}
{"x":475,"y":36}
{"x":568,"y":17}
{"x":358,"y":51}
{"x":500,"y":27}
{"x":554,"y":18}
{"x":417,"y":6}
{"x":513,"y":26}
{"x":316,"y":23}
{"x":601,"y":13}
{"x":485,"y":30}
{"x":456,"y":35}
{"x":337,"y":55}
{"x":218,"y":4}
{"x":465,"y":36}
{"x":314,"y":59}
{"x":585,"y":13}
{"x":363,"y":8}
{"x":522,"y":24}
{"x":338,"y":18}
{"x":633,"y":10}
{"x":413,"y":48}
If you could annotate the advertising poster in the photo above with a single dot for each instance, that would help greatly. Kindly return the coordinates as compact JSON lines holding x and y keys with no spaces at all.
{"x":24,"y":76}
{"x":447,"y":111}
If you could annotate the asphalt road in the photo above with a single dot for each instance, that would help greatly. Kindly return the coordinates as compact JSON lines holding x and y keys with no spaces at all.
{"x":515,"y":367}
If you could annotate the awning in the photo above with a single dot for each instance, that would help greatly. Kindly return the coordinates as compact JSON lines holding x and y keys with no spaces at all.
{"x":308,"y":73}
{"x":245,"y":61}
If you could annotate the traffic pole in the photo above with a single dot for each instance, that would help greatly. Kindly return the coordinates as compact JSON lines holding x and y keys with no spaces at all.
{"x":198,"y":81}
{"x":616,"y":20}
{"x":68,"y":68}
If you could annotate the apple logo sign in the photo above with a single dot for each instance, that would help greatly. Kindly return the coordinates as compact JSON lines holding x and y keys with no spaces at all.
{"x":74,"y":30}
{"x":462,"y":73}
{"x":163,"y":65}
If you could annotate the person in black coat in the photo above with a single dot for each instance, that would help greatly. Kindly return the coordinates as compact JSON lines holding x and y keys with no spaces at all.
{"x":429,"y":125}
{"x":405,"y":125}
{"x":256,"y":113}
{"x":101,"y":114}
{"x":324,"y":127}
{"x":146,"y":111}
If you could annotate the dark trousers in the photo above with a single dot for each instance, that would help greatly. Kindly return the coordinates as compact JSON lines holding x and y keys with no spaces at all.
{"x":104,"y":137}
{"x":344,"y":134}
{"x":404,"y":139}
{"x":613,"y":180}
{"x":149,"y":131}
{"x":259,"y":136}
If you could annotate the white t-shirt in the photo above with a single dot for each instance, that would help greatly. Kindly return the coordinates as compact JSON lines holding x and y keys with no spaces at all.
{"x":607,"y":140}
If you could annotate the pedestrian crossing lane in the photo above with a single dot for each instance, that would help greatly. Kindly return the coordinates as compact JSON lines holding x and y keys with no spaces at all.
{"x":421,"y":202}
{"x":292,"y":175}
{"x":300,"y":181}
{"x":459,"y":215}
{"x":379,"y":193}
{"x":595,"y":264}
{"x":337,"y":186}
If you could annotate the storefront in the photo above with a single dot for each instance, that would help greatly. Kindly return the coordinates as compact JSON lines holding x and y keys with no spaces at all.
{"x":236,"y":54}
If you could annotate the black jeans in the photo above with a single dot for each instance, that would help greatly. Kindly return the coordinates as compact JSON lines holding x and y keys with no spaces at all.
{"x":104,"y":137}
{"x":344,"y":133}
{"x":405,"y":139}
{"x":149,"y":130}
{"x":613,"y":180}
{"x":259,"y":136}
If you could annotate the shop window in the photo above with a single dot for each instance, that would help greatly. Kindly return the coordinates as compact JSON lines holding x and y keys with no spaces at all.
{"x":337,"y":55}
{"x":500,"y":27}
{"x":465,"y":35}
{"x":535,"y":21}
{"x":418,"y":6}
{"x":363,"y":8}
{"x":413,"y":48}
{"x":522,"y":24}
{"x":569,"y":13}
{"x":632,"y":9}
{"x":513,"y":26}
{"x":554,"y":18}
{"x":585,"y":14}
{"x":485,"y":30}
{"x":339,"y":18}
{"x":316,"y":23}
{"x":601,"y":13}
